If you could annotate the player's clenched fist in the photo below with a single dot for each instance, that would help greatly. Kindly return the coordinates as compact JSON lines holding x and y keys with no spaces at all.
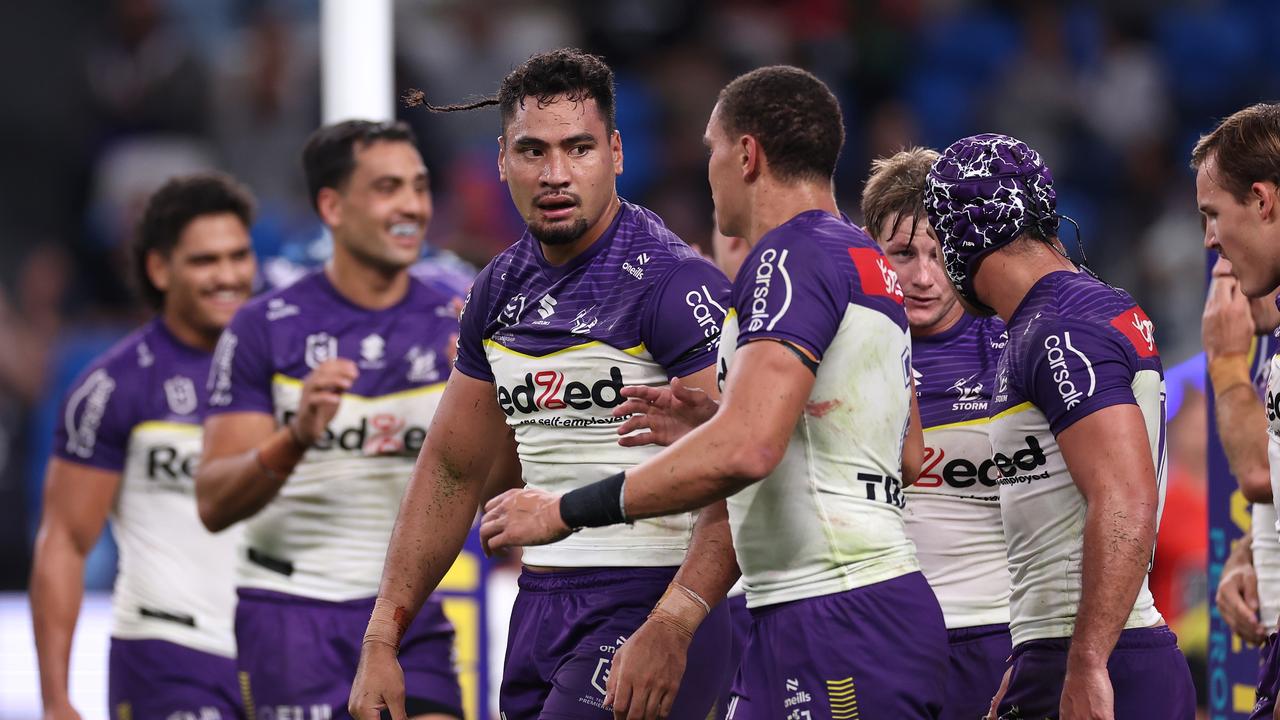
{"x":379,"y":684}
{"x":321,"y":395}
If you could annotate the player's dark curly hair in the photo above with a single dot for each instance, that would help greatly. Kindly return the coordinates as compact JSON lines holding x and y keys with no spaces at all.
{"x":567,"y":72}
{"x":329,"y":157}
{"x":793,"y":115}
{"x":173,"y":207}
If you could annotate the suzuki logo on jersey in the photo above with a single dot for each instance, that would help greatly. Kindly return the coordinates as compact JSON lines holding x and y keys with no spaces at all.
{"x":93,"y":394}
{"x":771,"y":262}
{"x":546,"y":306}
{"x":1056,"y":349}
{"x":1138,"y":328}
{"x":371,"y":350}
{"x":378,"y":434}
{"x":875,"y":275}
{"x":1027,"y":460}
{"x":550,"y":390}
{"x":180,"y":393}
{"x":702,"y":302}
{"x":321,"y":347}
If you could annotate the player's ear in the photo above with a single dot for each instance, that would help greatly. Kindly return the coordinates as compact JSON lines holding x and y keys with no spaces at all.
{"x":1264,"y":195}
{"x":615,"y":150}
{"x":502,"y":158}
{"x":751,"y":157}
{"x":329,"y":206}
{"x":158,"y":270}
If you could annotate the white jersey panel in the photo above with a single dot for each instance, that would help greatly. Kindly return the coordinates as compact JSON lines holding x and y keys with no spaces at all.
{"x":332,"y":520}
{"x":829,"y":517}
{"x":577,"y":388}
{"x":959,"y":536}
{"x":1266,"y":557}
{"x":1044,"y":518}
{"x":160,"y":593}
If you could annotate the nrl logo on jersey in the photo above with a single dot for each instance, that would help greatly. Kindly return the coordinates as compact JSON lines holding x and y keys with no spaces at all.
{"x":180,"y":393}
{"x":511,"y":313}
{"x":321,"y":347}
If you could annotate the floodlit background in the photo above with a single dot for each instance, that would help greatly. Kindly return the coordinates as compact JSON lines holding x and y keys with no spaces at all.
{"x":101,"y":102}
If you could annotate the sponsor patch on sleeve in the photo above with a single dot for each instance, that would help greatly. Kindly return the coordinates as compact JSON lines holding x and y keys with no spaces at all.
{"x":1138,"y":328}
{"x":875,"y":274}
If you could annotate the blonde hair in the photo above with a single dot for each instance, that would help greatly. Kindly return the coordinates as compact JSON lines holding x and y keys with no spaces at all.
{"x":896,"y":187}
{"x":1246,"y":147}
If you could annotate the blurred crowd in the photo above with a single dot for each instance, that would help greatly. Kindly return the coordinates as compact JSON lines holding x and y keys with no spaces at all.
{"x":103,"y":101}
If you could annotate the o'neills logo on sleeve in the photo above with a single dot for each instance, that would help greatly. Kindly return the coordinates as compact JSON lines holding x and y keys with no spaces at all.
{"x":552,"y":390}
{"x":772,"y":268}
{"x":1138,"y":328}
{"x":875,"y":274}
{"x":93,"y":395}
{"x":1061,"y":354}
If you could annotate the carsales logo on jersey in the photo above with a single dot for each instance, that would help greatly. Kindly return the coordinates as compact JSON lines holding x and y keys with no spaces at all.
{"x":552,"y":390}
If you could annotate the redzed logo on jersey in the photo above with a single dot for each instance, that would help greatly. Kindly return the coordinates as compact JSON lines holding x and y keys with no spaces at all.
{"x":875,"y":274}
{"x":1139,"y":329}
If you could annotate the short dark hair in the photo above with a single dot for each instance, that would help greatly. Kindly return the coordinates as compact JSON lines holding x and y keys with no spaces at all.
{"x":568,"y":72}
{"x":329,"y":157}
{"x":793,"y":115}
{"x":172,"y":208}
{"x":1246,"y":146}
{"x":897,"y":186}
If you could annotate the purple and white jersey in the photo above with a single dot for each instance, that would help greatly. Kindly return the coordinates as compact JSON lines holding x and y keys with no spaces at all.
{"x":1076,"y":346}
{"x":136,"y":411}
{"x":329,"y":526}
{"x":638,"y":307}
{"x":953,"y":509}
{"x":829,"y":517}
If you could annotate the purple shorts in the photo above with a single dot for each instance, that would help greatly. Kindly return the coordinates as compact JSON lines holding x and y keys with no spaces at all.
{"x":1149,"y":677}
{"x":740,"y":628}
{"x":298,"y":656}
{"x":160,"y":679}
{"x":565,"y":627}
{"x":1268,"y":680}
{"x":878,"y":651}
{"x":979,"y":657}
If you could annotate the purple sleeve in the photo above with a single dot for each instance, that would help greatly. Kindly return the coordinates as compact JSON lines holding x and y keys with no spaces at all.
{"x":683,"y":317}
{"x":240,"y":376}
{"x":792,"y":294}
{"x":94,"y":422}
{"x":1074,"y":370}
{"x":472,"y":360}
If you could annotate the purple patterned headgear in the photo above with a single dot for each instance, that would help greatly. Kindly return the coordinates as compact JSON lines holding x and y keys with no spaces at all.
{"x":982,"y":193}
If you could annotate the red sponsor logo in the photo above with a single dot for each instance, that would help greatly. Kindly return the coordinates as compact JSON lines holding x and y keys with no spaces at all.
{"x":875,"y":274}
{"x":1136,"y":326}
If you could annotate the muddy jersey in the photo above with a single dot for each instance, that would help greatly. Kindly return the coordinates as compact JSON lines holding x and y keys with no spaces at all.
{"x":136,"y":411}
{"x":953,"y":509}
{"x":325,"y":534}
{"x":638,"y":307}
{"x":1076,"y":346}
{"x":829,"y":517}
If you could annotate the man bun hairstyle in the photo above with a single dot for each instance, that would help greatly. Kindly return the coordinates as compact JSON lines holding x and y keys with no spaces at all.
{"x":170,"y":209}
{"x":576,"y":75}
{"x":793,"y":115}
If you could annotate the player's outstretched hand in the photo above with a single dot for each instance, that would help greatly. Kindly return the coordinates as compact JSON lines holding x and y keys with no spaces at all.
{"x":1237,"y":596}
{"x":1227,"y":326}
{"x":1087,"y":695}
{"x":666,"y":413}
{"x":61,"y":712}
{"x":379,"y":684}
{"x":522,"y":517}
{"x":321,"y":394}
{"x":646,"y":673}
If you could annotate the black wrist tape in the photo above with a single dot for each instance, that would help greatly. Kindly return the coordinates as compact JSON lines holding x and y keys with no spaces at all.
{"x":596,"y":505}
